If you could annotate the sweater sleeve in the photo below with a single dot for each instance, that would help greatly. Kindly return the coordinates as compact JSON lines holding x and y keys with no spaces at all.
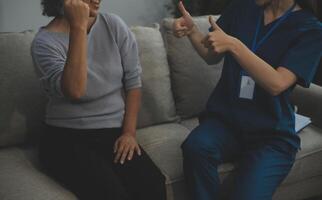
{"x":129,"y":54}
{"x":50,"y":64}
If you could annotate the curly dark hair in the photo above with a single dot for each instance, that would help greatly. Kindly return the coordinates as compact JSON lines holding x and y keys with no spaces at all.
{"x":52,"y":8}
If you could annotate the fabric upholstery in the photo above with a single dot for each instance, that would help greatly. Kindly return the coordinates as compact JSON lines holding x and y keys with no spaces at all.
{"x":192,"y":79}
{"x":309,"y":103}
{"x":304,"y":189}
{"x":22,"y":102}
{"x":162,"y":143}
{"x":301,"y":190}
{"x":190,"y":123}
{"x":308,"y":161}
{"x":157,"y":100}
{"x":20,"y":179}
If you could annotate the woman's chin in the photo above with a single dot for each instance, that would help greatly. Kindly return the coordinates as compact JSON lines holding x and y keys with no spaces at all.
{"x":262,"y":2}
{"x":93,"y":13}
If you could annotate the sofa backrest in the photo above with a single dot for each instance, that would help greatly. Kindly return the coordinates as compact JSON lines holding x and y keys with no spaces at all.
{"x":192,"y":79}
{"x":21,"y":99}
{"x":157,"y":100}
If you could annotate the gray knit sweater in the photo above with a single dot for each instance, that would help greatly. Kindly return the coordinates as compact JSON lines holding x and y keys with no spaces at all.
{"x":113,"y":65}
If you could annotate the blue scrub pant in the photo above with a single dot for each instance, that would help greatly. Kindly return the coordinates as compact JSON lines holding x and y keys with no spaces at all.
{"x":260,"y":166}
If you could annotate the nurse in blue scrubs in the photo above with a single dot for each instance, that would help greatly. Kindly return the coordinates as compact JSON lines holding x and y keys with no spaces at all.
{"x":269,"y":47}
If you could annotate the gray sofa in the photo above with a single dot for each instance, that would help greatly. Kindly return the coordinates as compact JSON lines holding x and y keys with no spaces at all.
{"x":176,"y":85}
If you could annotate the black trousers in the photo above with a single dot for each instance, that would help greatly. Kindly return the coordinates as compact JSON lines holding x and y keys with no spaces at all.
{"x":82,"y":161}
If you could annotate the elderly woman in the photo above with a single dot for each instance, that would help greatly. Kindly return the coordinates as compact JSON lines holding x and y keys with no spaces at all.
{"x":91,"y":73}
{"x":269,"y":47}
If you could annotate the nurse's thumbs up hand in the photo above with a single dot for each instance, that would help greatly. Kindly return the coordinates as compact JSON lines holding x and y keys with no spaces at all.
{"x":184,"y":25}
{"x":218,"y":40}
{"x":213,"y":24}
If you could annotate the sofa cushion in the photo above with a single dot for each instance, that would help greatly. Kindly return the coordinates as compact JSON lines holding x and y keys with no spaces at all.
{"x":309,"y":189}
{"x":192,"y":79}
{"x":190,"y":123}
{"x":21,"y":180}
{"x":308,"y":101}
{"x":309,"y":159}
{"x":22,"y":103}
{"x":157,"y":100}
{"x":162,"y":143}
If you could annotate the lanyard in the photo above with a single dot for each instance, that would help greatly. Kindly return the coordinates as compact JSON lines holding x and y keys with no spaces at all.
{"x":256,"y":44}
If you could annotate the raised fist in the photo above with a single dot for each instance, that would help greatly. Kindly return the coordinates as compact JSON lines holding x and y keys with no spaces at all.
{"x":77,"y":13}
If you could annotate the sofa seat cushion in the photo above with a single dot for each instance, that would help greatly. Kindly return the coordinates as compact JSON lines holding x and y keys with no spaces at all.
{"x":192,"y":79}
{"x":190,"y":123}
{"x":308,"y":101}
{"x":308,"y":163}
{"x":20,"y":178}
{"x":162,"y":143}
{"x":157,"y":99}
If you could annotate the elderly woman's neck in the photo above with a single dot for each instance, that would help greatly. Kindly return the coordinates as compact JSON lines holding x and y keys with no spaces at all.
{"x":277,"y":8}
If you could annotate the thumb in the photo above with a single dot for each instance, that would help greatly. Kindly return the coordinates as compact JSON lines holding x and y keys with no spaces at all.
{"x":213,"y":24}
{"x":182,"y":9}
{"x":188,"y":21}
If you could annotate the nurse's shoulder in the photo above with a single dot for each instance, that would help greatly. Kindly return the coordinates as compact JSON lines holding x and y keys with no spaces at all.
{"x":306,"y":21}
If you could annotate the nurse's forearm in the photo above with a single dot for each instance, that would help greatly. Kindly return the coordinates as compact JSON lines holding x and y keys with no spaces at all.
{"x":275,"y":81}
{"x":196,"y":38}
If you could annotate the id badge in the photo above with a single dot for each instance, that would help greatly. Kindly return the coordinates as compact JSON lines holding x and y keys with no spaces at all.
{"x":247,"y":87}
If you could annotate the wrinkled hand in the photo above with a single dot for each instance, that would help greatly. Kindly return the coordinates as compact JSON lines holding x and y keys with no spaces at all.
{"x":77,"y":13}
{"x":125,"y":147}
{"x":217,"y":40}
{"x":184,"y":25}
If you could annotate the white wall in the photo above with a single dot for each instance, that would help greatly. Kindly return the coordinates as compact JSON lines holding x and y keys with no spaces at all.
{"x":19,"y":15}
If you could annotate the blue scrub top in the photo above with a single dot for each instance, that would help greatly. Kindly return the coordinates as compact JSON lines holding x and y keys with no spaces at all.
{"x":296,"y":45}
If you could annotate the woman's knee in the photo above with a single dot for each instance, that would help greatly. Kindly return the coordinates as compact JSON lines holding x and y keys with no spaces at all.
{"x":155,"y":175}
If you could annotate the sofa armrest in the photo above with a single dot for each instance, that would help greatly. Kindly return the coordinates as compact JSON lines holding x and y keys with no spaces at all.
{"x":309,"y":102}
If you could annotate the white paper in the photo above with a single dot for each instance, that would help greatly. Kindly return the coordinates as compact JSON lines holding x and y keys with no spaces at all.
{"x":301,"y":122}
{"x":247,"y":88}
